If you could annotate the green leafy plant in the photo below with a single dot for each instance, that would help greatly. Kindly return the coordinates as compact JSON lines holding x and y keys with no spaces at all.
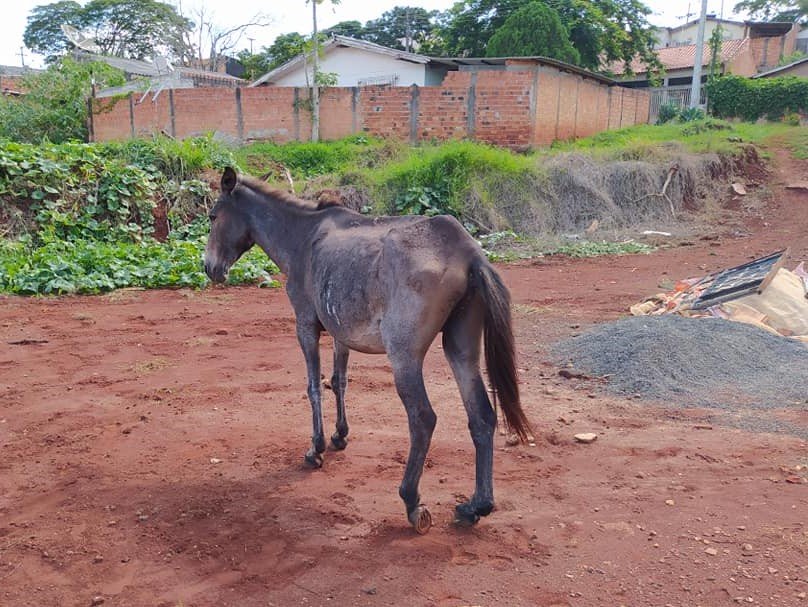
{"x":751,"y":99}
{"x":667,"y":112}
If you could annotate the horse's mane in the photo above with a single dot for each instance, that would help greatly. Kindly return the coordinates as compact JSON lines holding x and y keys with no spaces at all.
{"x":257,"y":185}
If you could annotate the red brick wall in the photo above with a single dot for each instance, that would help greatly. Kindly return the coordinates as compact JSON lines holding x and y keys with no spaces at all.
{"x":520,"y":106}
{"x":152,"y":116}
{"x":203,"y":110}
{"x":268,"y":113}
{"x":385,"y":111}
{"x":503,"y":108}
{"x":547,"y":95}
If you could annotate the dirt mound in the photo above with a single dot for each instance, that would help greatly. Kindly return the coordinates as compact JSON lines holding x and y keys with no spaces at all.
{"x":703,"y":362}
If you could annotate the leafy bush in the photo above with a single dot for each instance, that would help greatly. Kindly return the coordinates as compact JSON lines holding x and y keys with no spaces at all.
{"x":691,"y":114}
{"x":79,"y":216}
{"x":667,"y":112}
{"x":85,"y":265}
{"x":751,"y":99}
{"x":54,"y":107}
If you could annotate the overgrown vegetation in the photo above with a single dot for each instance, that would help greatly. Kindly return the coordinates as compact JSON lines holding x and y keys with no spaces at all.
{"x":79,"y":218}
{"x":54,"y":108}
{"x":86,"y":217}
{"x":751,"y":99}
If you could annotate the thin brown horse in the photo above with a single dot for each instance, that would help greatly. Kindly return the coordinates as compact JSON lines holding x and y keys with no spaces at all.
{"x":383,"y":285}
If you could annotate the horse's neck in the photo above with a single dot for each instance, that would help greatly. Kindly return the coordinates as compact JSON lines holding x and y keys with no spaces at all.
{"x":283,"y":231}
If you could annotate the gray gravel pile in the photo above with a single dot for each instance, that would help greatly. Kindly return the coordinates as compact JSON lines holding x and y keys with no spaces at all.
{"x":687,"y":361}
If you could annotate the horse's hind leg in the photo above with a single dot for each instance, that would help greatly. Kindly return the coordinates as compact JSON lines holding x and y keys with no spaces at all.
{"x":408,"y":374}
{"x":339,"y":380}
{"x":308,"y":334}
{"x":461,"y":344}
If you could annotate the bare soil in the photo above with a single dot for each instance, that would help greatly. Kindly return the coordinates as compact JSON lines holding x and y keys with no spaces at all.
{"x":151,"y":453}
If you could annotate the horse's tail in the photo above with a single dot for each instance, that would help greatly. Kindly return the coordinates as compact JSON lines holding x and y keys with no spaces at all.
{"x":500,"y":354}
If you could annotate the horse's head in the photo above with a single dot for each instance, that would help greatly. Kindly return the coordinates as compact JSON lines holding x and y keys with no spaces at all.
{"x":229,"y":235}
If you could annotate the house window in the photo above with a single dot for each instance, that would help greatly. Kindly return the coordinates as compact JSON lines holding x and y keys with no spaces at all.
{"x":390,"y":80}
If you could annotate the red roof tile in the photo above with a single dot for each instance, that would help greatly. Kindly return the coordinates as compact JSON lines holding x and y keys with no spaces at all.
{"x":682,"y":57}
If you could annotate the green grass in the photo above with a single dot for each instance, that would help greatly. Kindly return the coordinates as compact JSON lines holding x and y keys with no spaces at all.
{"x":699,"y":137}
{"x":797,"y":140}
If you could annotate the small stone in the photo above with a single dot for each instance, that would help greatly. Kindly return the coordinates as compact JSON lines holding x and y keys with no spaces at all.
{"x":586,"y":437}
{"x":801,"y":595}
{"x":221,"y":332}
{"x":670,"y":503}
{"x":711,"y":551}
{"x":215,"y":460}
{"x":512,"y":440}
{"x":97,"y":600}
{"x":739,"y":189}
{"x":772,"y":570}
{"x":98,"y":559}
{"x":370,"y":591}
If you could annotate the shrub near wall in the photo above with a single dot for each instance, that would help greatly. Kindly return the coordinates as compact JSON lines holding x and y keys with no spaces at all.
{"x":751,"y":99}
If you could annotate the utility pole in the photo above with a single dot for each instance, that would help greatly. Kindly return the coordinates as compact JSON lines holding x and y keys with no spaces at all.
{"x":315,"y":88}
{"x":695,"y":87}
{"x":22,"y":55}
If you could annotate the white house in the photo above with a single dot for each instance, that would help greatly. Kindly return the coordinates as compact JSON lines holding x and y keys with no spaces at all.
{"x":358,"y":63}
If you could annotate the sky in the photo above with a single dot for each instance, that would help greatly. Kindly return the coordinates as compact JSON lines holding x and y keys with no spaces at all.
{"x":295,"y":16}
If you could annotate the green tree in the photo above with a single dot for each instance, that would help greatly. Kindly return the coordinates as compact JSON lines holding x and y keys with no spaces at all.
{"x":776,"y":10}
{"x":403,"y":27}
{"x":122,"y":28}
{"x":44,"y":35}
{"x":534,"y":29}
{"x":55,"y":106}
{"x":601,"y":31}
{"x":284,"y":48}
{"x":352,"y":29}
{"x":255,"y":64}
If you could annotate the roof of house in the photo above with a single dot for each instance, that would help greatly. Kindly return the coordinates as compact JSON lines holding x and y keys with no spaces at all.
{"x":458,"y":62}
{"x":684,"y":57}
{"x":144,"y":68}
{"x":335,"y":42}
{"x":13,"y":70}
{"x":450,"y":62}
{"x":781,"y":68}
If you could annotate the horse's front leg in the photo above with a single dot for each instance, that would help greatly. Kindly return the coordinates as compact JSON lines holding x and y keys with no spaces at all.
{"x":308,"y":334}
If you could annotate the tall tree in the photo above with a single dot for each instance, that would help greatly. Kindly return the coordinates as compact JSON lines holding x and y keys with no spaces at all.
{"x":600,"y":30}
{"x":44,"y":35}
{"x":534,"y":29}
{"x":207,"y":43}
{"x":776,"y":10}
{"x":403,"y":27}
{"x":122,"y":28}
{"x":352,"y":29}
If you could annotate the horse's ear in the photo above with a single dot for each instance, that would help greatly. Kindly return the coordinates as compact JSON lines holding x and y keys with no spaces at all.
{"x":229,"y":180}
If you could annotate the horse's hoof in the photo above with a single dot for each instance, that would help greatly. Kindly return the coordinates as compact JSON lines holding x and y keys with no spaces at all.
{"x":465,"y":515}
{"x":314,"y":459}
{"x":421,"y":519}
{"x":338,"y":442}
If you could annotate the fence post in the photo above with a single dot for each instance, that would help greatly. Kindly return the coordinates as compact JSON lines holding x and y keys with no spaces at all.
{"x":171,"y":113}
{"x":132,"y":115}
{"x":471,"y":104}
{"x":414,"y":97}
{"x":239,"y":116}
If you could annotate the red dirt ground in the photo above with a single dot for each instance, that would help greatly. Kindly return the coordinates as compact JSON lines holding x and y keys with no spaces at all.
{"x":151,"y":448}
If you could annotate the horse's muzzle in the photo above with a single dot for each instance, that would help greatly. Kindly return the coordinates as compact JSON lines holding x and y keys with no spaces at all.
{"x":215,"y":272}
